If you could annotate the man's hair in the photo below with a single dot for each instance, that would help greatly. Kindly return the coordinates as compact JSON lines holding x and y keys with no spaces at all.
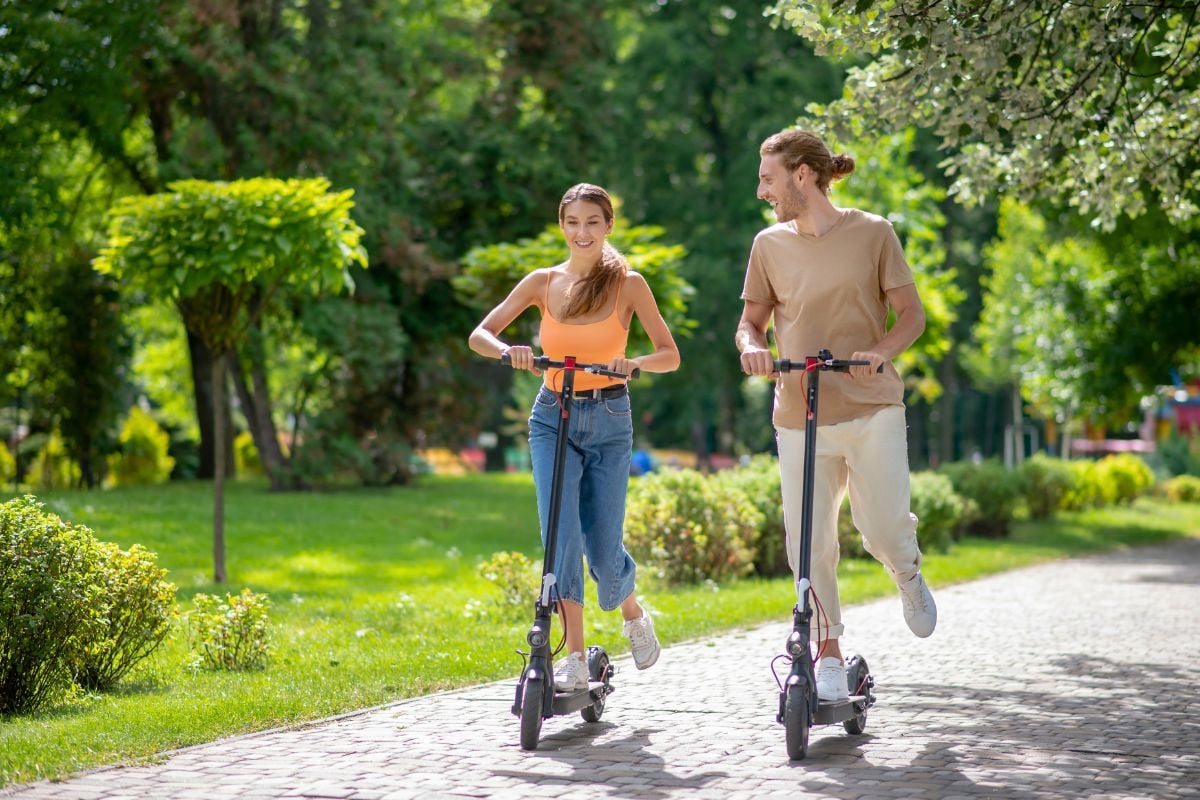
{"x":796,"y":147}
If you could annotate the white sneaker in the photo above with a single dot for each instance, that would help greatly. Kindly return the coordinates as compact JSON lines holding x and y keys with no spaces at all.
{"x":642,"y":641}
{"x":919,"y":610}
{"x":570,"y":673}
{"x":831,"y":680}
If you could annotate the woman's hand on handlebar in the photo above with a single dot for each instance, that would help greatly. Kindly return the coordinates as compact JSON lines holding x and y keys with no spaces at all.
{"x":866,"y":371}
{"x":521,"y":357}
{"x":625,"y":366}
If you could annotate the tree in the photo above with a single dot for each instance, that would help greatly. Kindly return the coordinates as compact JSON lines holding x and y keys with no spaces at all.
{"x":214,"y":249}
{"x":1092,"y":103}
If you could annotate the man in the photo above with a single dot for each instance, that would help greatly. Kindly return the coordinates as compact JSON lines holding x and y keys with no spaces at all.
{"x":828,"y":276}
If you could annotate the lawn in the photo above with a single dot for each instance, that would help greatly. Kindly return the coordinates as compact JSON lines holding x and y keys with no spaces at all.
{"x":376,"y":596}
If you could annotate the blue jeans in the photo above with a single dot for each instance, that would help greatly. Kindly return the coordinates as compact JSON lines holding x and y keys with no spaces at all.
{"x":591,"y":518}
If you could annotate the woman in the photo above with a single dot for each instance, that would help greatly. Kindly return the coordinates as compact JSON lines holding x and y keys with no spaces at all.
{"x":587,"y":304}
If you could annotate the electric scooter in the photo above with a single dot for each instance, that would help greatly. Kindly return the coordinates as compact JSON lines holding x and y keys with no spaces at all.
{"x":799,"y":706}
{"x":536,"y":698}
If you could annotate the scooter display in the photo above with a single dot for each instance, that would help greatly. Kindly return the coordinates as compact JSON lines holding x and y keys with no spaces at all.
{"x":536,"y":698}
{"x":799,"y":706}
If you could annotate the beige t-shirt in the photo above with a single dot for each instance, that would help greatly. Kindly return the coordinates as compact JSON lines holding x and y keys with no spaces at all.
{"x":829,"y":292}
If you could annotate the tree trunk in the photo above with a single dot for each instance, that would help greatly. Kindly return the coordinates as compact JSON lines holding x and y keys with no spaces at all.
{"x":202,"y":383}
{"x":218,"y":418}
{"x":1018,"y":425}
{"x":256,"y":407}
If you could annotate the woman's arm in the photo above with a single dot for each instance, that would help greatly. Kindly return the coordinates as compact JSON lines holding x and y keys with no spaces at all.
{"x":485,"y":339}
{"x":665,"y":357}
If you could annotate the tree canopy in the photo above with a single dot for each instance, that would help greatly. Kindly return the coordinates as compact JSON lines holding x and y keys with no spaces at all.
{"x":1096,"y":104}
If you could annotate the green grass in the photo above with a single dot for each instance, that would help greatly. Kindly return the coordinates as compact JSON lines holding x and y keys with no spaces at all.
{"x":376,"y":597}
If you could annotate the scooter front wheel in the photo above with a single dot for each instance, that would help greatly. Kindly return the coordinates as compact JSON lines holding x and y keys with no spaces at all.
{"x":797,"y":721}
{"x":531,"y":713}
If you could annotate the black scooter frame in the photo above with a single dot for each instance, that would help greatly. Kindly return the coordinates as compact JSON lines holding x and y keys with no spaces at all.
{"x":799,"y":707}
{"x":537,"y":677}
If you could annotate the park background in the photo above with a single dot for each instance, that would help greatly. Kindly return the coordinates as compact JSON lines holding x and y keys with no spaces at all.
{"x":1038,"y":161}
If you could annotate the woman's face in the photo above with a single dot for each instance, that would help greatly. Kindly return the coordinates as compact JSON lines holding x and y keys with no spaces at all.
{"x":584,"y":228}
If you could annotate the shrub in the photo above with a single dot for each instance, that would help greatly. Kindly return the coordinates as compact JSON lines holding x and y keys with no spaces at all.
{"x":142,"y":457}
{"x":691,"y":528}
{"x":1183,"y":489}
{"x":139,"y":608}
{"x":8,"y":465}
{"x":759,"y":482}
{"x":52,"y":467}
{"x":1091,"y":487}
{"x":245,"y":455}
{"x":994,"y":489}
{"x":1131,"y":476}
{"x":232,"y":633}
{"x":514,"y":574}
{"x":1047,"y":481}
{"x":51,"y":603}
{"x":940,"y":510}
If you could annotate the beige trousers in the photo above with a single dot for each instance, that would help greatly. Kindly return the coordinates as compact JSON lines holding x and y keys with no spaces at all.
{"x":870,"y":455}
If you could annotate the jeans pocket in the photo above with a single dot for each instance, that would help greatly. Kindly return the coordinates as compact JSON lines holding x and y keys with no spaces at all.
{"x":618,"y":406}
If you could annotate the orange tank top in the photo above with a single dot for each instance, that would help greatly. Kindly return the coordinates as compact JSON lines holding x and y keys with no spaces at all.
{"x":591,"y":343}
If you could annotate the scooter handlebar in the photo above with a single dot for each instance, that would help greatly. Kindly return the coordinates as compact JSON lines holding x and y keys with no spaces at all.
{"x":828,"y":364}
{"x":545,"y":362}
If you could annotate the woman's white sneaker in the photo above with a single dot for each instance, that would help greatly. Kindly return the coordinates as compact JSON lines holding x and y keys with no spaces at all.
{"x":642,"y":641}
{"x":831,"y":680}
{"x":920,"y":612}
{"x":570,"y":673}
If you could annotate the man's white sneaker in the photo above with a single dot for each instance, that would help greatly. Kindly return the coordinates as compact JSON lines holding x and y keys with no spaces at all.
{"x":570,"y":673}
{"x":831,"y":679}
{"x":642,"y":641}
{"x":919,"y":610}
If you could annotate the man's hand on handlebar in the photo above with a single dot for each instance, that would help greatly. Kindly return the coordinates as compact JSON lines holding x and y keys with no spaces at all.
{"x":521,"y":357}
{"x":876,"y":365}
{"x":758,"y":361}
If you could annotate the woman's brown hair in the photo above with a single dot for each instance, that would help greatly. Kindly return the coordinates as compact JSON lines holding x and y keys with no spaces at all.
{"x":591,"y":292}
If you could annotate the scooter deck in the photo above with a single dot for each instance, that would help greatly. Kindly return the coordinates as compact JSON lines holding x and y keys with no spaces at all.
{"x":838,"y":711}
{"x":568,"y":702}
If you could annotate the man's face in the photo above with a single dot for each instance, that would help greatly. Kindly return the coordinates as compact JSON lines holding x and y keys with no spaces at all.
{"x":778,"y":187}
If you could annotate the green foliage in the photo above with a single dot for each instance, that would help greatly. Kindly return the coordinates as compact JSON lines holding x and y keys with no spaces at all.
{"x":759,"y":482}
{"x":1091,"y":487}
{"x":53,"y":467}
{"x":1130,"y":476}
{"x":8,"y":465}
{"x":231,"y":633}
{"x":514,"y":574}
{"x":142,"y":458}
{"x":1047,"y":482}
{"x":245,"y":455}
{"x":1183,"y":489}
{"x":491,"y":272}
{"x":138,"y":607}
{"x":690,"y":528}
{"x":1087,"y":103}
{"x":1180,"y":454}
{"x":205,"y":245}
{"x":51,"y":605}
{"x":994,"y":490}
{"x":940,"y":510}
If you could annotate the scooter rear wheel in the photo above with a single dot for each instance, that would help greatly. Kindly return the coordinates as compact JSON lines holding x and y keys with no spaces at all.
{"x":531,"y":713}
{"x":797,"y":721}
{"x":598,"y":671}
{"x":856,"y":679}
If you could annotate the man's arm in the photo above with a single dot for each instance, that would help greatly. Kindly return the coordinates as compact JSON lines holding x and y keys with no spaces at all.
{"x":751,"y":339}
{"x":908,"y":327}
